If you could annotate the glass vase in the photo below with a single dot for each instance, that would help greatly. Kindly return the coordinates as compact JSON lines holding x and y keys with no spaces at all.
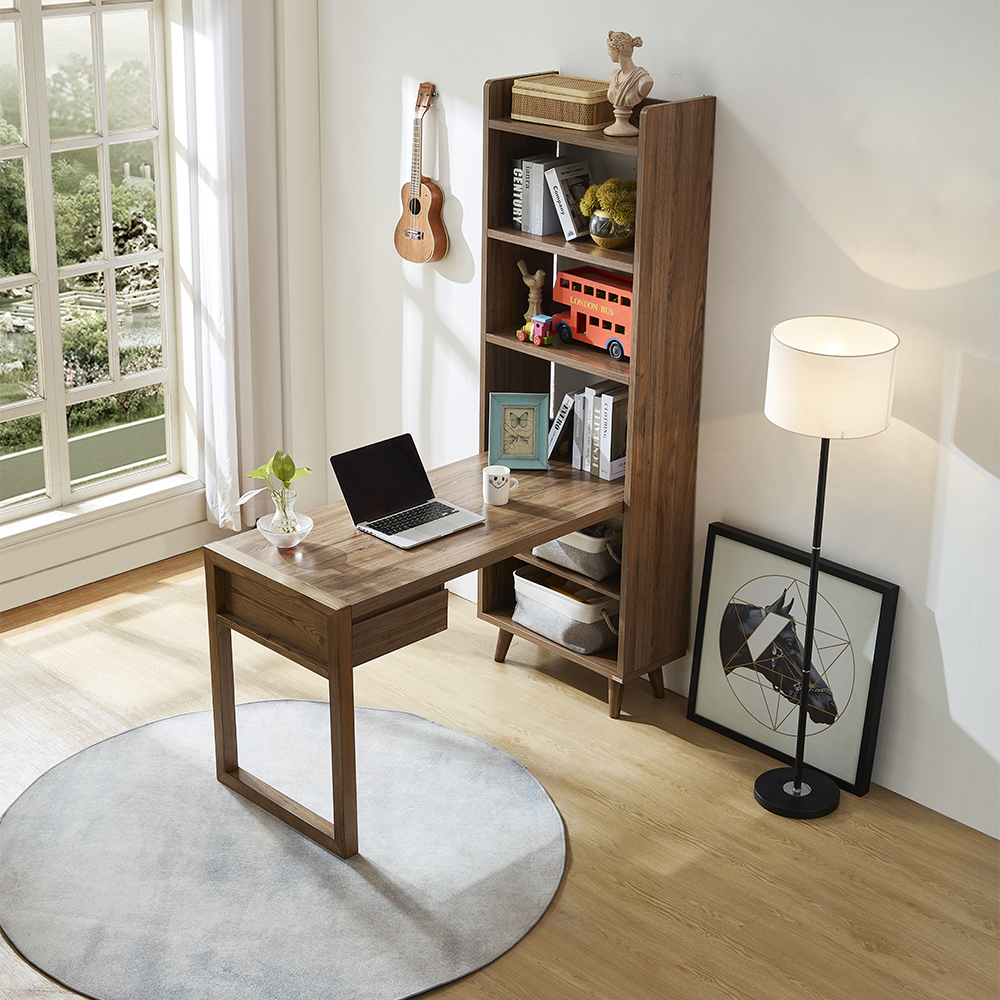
{"x":285,"y":528}
{"x":606,"y":233}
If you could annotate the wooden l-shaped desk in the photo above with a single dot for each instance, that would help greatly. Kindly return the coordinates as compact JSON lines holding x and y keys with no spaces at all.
{"x":342,"y":598}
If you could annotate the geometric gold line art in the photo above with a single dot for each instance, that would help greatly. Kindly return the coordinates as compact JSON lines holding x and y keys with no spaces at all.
{"x":760,"y":645}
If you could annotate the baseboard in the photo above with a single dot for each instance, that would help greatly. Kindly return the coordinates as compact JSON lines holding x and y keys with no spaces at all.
{"x":85,"y":545}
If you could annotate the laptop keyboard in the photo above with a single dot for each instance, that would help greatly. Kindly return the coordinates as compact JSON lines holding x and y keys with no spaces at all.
{"x":395,"y":523}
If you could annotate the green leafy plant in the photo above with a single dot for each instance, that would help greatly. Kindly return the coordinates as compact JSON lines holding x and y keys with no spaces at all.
{"x":278,"y":474}
{"x":614,"y":197}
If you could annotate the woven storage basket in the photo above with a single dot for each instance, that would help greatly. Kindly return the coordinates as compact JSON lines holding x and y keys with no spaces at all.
{"x":568,"y":101}
{"x":585,"y":624}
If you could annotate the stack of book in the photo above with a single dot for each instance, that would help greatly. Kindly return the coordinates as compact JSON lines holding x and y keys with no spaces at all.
{"x":546,"y":191}
{"x":590,"y":429}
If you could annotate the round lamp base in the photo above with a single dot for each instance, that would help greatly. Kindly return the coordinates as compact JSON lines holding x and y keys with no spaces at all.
{"x":818,"y":794}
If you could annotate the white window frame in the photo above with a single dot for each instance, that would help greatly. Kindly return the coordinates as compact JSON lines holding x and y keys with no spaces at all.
{"x":46,"y":274}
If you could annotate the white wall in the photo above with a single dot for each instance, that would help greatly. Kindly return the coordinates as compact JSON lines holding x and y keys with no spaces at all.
{"x":855,"y":174}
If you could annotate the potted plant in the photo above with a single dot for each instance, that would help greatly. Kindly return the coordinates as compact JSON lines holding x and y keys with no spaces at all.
{"x":284,"y":528}
{"x":611,"y":209}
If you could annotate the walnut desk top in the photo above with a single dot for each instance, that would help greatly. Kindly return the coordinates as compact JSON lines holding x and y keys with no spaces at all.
{"x":342,"y":597}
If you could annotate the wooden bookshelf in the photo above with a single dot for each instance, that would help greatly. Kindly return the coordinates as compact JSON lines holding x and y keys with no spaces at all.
{"x":668,"y":265}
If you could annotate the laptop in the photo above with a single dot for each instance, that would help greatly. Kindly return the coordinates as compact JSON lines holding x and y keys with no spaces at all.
{"x":389,"y":495}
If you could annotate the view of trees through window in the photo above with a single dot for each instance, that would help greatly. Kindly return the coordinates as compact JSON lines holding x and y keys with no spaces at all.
{"x":84,"y":379}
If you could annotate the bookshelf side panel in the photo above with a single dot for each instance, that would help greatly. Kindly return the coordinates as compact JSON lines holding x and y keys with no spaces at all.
{"x":675,"y":174}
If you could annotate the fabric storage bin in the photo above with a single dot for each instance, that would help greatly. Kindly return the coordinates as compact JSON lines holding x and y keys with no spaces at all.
{"x":573,"y":616}
{"x":594,"y":552}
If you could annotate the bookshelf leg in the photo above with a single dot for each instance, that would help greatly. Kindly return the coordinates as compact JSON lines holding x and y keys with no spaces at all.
{"x":503,"y":644}
{"x":656,"y":679}
{"x":615,"y":691}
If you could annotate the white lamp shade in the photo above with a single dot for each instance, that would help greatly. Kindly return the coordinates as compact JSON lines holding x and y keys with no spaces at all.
{"x":830,"y":377}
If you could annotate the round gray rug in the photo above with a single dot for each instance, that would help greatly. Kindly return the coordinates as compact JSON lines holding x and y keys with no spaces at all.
{"x":127,"y":872}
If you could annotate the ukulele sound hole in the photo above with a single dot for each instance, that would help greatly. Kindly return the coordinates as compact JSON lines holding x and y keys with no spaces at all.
{"x":414,"y":206}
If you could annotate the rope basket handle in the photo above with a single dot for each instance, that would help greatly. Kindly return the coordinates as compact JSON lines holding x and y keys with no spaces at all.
{"x":611,"y":552}
{"x":607,"y":621}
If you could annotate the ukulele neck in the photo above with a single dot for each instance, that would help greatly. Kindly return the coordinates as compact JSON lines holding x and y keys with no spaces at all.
{"x":417,"y":156}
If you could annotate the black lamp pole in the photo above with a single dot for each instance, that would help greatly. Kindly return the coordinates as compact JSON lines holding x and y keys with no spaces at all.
{"x":789,"y":791}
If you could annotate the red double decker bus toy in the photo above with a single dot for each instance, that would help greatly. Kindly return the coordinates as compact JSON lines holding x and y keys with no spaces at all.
{"x":600,"y":309}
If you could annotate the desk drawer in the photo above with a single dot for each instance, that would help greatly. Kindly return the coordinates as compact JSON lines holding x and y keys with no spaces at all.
{"x":399,"y":626}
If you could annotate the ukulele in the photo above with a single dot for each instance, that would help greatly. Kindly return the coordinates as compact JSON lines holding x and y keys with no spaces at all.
{"x":420,"y":233}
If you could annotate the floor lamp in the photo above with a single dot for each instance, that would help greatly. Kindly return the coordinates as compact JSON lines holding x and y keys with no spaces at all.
{"x":827,"y":377}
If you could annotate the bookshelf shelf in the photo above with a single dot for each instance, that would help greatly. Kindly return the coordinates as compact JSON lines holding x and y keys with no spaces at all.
{"x":668,"y":265}
{"x":627,"y":146}
{"x":611,"y":586}
{"x":580,"y":357}
{"x":582,"y":249}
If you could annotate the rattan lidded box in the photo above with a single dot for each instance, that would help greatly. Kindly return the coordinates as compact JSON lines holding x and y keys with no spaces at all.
{"x":567,"y":101}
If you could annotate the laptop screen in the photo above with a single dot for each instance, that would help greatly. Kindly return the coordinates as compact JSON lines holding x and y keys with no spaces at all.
{"x":382,"y":478}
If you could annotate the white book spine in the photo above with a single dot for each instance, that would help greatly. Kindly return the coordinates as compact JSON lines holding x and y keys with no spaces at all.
{"x":579,"y":409}
{"x":613,"y":413}
{"x":562,"y":210}
{"x":559,"y":422}
{"x":566,"y":183}
{"x":536,"y":196}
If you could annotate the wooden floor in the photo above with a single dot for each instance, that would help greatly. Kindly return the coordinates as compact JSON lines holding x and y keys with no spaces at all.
{"x":678,"y":885}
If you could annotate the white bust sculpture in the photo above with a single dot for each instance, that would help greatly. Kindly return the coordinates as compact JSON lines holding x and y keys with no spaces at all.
{"x":629,"y":83}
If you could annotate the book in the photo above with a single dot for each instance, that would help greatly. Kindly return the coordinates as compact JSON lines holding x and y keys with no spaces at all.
{"x":579,"y":399}
{"x":614,"y":432}
{"x":517,"y":204}
{"x":539,"y":217}
{"x":591,"y":447}
{"x":562,"y":427}
{"x":568,"y":183}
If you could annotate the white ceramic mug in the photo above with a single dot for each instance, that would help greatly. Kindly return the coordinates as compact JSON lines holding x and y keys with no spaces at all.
{"x":497,"y":484}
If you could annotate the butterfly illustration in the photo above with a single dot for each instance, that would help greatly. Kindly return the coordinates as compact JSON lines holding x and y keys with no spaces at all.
{"x":519,"y":432}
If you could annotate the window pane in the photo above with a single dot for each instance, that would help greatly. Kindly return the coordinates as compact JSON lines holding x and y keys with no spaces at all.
{"x":10,"y":101}
{"x":126,"y":61}
{"x":84,"y":330}
{"x":140,"y":334}
{"x":133,"y":196}
{"x":22,"y":473}
{"x":116,"y":434}
{"x":77,"y":197}
{"x":69,"y":71}
{"x":18,"y":347}
{"x":15,"y":256}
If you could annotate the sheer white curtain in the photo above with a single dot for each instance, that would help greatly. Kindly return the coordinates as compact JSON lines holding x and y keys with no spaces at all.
{"x":223,"y":85}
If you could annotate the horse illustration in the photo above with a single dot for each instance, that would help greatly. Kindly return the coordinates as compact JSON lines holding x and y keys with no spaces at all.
{"x":780,"y":662}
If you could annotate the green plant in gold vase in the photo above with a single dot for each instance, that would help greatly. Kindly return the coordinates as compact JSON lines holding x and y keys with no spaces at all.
{"x":611,"y":209}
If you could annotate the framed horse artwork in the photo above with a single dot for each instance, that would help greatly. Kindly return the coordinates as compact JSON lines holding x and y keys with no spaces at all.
{"x":746,"y":675}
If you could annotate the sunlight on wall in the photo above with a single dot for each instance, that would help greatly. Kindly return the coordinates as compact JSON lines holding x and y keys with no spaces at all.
{"x":883,"y":125}
{"x":961,"y":591}
{"x":440,"y":305}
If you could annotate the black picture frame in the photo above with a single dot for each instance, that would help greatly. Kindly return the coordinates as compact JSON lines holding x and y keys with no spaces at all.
{"x":750,"y":584}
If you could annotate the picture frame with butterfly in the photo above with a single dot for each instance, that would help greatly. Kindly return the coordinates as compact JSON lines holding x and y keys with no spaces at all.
{"x":519,"y":427}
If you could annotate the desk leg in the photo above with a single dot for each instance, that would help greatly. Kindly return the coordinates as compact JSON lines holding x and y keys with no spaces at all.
{"x":340,"y":835}
{"x":220,"y":646}
{"x":345,"y":781}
